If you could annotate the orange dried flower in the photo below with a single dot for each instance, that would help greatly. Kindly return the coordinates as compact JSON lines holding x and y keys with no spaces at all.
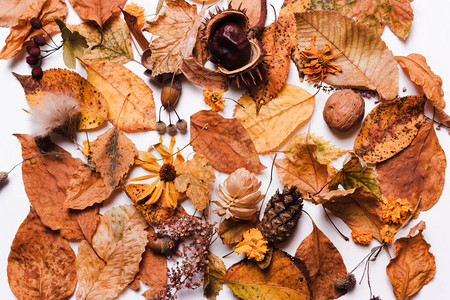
{"x":388,"y":233}
{"x":318,"y":64}
{"x":395,"y":210}
{"x":362,"y":237}
{"x":214,"y":99}
{"x":253,"y":245}
{"x":137,"y":11}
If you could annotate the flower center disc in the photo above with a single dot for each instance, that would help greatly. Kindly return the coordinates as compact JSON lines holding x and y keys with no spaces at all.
{"x":167,"y":172}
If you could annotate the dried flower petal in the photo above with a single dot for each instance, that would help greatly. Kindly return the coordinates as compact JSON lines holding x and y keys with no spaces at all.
{"x":253,"y":245}
{"x":388,"y":233}
{"x":395,"y":210}
{"x":214,"y":99}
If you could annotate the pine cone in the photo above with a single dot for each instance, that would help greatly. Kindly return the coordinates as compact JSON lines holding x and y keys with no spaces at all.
{"x":282,"y":214}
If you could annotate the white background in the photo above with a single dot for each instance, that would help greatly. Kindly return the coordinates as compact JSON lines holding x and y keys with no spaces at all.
{"x":429,"y":37}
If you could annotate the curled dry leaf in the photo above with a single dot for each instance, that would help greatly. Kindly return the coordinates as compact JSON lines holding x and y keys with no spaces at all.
{"x":135,"y":29}
{"x":202,"y":76}
{"x":97,"y":11}
{"x":106,"y":268}
{"x":214,"y":272}
{"x":93,"y":105}
{"x":367,"y":63}
{"x":41,"y":264}
{"x":389,"y":128}
{"x":324,"y":263}
{"x":46,"y":179}
{"x":113,"y":154}
{"x":126,"y":94}
{"x":224,"y":142}
{"x":12,"y":10}
{"x":252,"y":9}
{"x":195,"y":177}
{"x":421,"y":164}
{"x":285,"y":278}
{"x":303,"y":170}
{"x":413,"y":266}
{"x":231,"y":230}
{"x":278,"y":119}
{"x":88,"y":220}
{"x":73,"y":44}
{"x":397,"y":14}
{"x":46,"y":11}
{"x":114,"y":46}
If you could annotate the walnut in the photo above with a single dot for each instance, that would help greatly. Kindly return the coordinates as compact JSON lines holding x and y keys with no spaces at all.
{"x":343,"y":110}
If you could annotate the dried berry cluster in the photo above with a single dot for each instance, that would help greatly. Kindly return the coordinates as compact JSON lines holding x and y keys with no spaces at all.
{"x":188,"y":271}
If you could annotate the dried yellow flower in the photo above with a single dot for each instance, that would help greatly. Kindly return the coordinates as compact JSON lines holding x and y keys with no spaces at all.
{"x":395,"y":210}
{"x":214,"y":100}
{"x":253,"y":245}
{"x":362,"y":237}
{"x":137,"y":11}
{"x":388,"y":233}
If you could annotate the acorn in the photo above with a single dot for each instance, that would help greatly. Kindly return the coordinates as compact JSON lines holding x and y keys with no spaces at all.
{"x":170,"y":93}
{"x":164,"y":245}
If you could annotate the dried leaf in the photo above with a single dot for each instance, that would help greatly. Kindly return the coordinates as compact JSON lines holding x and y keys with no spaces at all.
{"x":12,"y":10}
{"x":46,"y":11}
{"x":290,"y":7}
{"x":115,"y":45}
{"x":303,"y":170}
{"x":419,"y":170}
{"x":231,"y":230}
{"x":107,"y":268}
{"x":353,"y":175}
{"x":389,"y":128}
{"x":413,"y":266}
{"x":214,"y":271}
{"x":224,"y":142}
{"x":126,"y":94}
{"x":202,"y":76}
{"x":324,"y":263}
{"x":326,"y":152}
{"x":285,"y":278}
{"x":135,"y":29}
{"x":176,"y":25}
{"x":277,"y":120}
{"x":113,"y":154}
{"x":397,"y":14}
{"x":86,"y":188}
{"x":73,"y":44}
{"x":46,"y":179}
{"x":88,"y":220}
{"x":367,"y":63}
{"x":97,"y":11}
{"x":41,"y":263}
{"x":359,"y":209}
{"x":195,"y":177}
{"x":276,"y":43}
{"x":61,"y":81}
{"x":252,"y":9}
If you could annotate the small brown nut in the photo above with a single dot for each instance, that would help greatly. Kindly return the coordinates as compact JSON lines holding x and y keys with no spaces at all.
{"x":343,"y":110}
{"x":170,"y":93}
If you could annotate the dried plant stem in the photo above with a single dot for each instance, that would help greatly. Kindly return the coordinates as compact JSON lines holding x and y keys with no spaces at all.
{"x":335,"y":227}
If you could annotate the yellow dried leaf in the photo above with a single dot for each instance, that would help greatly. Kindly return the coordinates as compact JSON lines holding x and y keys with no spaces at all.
{"x":276,"y":120}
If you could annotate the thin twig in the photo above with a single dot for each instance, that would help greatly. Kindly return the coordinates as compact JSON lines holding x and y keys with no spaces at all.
{"x":335,"y":227}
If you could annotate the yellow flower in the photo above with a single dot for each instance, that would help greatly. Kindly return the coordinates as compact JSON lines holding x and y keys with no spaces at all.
{"x":165,"y":174}
{"x":253,"y":245}
{"x":137,"y":11}
{"x":388,"y":233}
{"x":214,"y":99}
{"x":395,"y":210}
{"x":362,"y":237}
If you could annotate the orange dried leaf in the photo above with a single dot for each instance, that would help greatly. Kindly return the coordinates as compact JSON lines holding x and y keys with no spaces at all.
{"x":231,"y":230}
{"x":290,"y":7}
{"x":97,"y":11}
{"x":41,"y":264}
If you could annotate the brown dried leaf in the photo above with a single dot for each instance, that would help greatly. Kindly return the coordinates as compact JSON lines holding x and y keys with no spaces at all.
{"x":290,"y":7}
{"x":367,"y":63}
{"x":126,"y":94}
{"x":303,"y":170}
{"x":106,"y":268}
{"x":41,"y":263}
{"x":359,"y":209}
{"x":12,"y":10}
{"x":324,"y":263}
{"x":214,"y":272}
{"x":252,"y":9}
{"x":413,"y":266}
{"x":113,"y":154}
{"x":46,"y":179}
{"x":375,"y":14}
{"x":135,"y":29}
{"x":389,"y":128}
{"x":224,"y":142}
{"x":231,"y":230}
{"x":202,"y":76}
{"x":46,"y":11}
{"x":421,"y":164}
{"x":97,"y":11}
{"x":88,"y":220}
{"x":62,"y":81}
{"x":277,"y":120}
{"x":285,"y":278}
{"x":195,"y":177}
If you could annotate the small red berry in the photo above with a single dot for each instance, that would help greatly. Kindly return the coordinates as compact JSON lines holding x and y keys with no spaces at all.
{"x":35,"y":52}
{"x":39,"y":40}
{"x":31,"y":45}
{"x":36,"y":23}
{"x":36,"y":72}
{"x":32,"y":60}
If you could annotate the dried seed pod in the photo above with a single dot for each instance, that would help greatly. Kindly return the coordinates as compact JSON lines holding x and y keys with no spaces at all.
{"x":344,"y":110}
{"x":345,"y":283}
{"x":182,"y":126}
{"x":160,"y":127}
{"x":171,"y":130}
{"x":170,"y":93}
{"x":3,"y":176}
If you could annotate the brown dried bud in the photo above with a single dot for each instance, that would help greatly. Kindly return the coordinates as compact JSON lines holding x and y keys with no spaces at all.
{"x":36,"y":72}
{"x":345,"y":283}
{"x":171,"y":130}
{"x":344,"y":110}
{"x":170,"y":93}
{"x":36,"y":23}
{"x":182,"y":126}
{"x":3,"y":176}
{"x":160,"y":127}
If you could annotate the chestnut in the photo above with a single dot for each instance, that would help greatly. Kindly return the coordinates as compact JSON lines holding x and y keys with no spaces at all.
{"x":229,"y":45}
